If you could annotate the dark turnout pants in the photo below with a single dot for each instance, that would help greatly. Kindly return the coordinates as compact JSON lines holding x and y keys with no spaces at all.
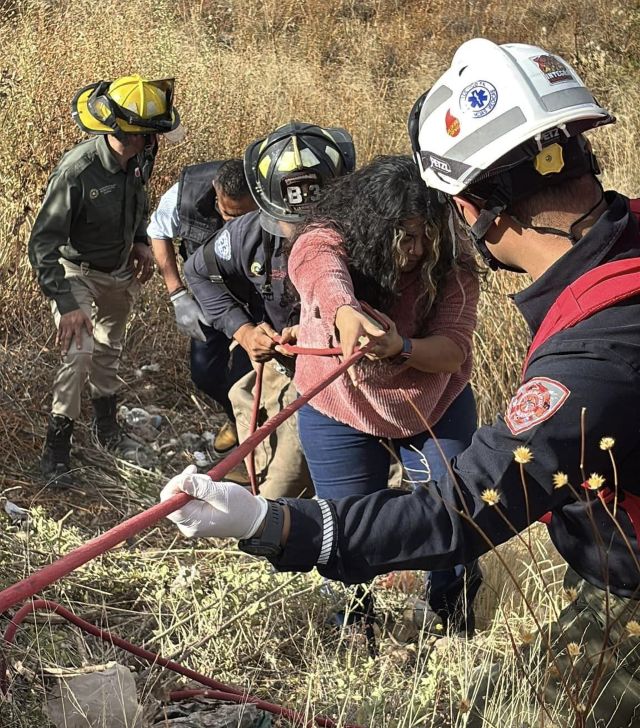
{"x":585,"y":667}
{"x":214,"y":369}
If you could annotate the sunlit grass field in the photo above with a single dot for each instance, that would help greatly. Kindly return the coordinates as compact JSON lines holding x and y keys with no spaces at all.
{"x":242,"y":67}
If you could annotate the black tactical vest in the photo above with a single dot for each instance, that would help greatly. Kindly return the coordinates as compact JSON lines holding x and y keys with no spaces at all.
{"x":199,"y":216}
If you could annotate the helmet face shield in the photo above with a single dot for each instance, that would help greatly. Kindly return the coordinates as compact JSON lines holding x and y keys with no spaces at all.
{"x":129,"y":105}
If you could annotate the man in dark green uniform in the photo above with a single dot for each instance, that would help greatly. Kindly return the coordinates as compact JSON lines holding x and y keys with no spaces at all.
{"x":89,"y":249}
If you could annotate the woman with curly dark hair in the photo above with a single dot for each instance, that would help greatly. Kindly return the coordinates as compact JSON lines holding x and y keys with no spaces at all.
{"x":379,"y":235}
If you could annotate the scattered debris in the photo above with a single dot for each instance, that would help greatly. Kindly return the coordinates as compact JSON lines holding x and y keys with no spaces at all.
{"x":145,"y":370}
{"x":204,"y":713}
{"x":141,"y":423}
{"x":202,"y":460}
{"x":16,"y":513}
{"x":104,"y":699}
{"x":190,"y":440}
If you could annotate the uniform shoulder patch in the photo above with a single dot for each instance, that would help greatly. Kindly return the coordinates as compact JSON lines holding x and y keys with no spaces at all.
{"x":222,"y":245}
{"x":535,"y":401}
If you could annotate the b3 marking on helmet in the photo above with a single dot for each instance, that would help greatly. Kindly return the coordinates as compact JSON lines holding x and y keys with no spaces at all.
{"x":301,"y":189}
{"x":296,"y":196}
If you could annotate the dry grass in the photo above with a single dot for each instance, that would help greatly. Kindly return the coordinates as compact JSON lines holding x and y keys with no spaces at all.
{"x":243,"y":66}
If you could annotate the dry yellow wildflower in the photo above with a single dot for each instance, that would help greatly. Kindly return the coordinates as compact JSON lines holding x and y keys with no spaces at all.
{"x":595,"y":481}
{"x":553,"y":671}
{"x":574,"y":649}
{"x":581,"y":708}
{"x":522,"y":455}
{"x":571,"y":594}
{"x":490,"y":496}
{"x":526,"y":636}
{"x":560,"y":480}
{"x":633,"y":628}
{"x":607,"y":443}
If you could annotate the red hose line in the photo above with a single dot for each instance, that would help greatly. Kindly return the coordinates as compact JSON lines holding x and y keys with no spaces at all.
{"x":257,"y":396}
{"x":218,"y":689}
{"x":293,"y":349}
{"x":32,"y":584}
{"x":44,"y":577}
{"x":253,"y":424}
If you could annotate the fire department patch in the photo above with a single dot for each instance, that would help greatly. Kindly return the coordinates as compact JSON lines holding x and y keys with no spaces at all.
{"x":223,"y":245}
{"x":534,"y":402}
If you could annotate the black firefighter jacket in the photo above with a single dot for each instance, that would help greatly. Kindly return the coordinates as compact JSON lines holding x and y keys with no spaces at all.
{"x":587,"y":384}
{"x":240,"y":299}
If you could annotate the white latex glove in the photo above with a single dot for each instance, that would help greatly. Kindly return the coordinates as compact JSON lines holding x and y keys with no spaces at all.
{"x":188,"y":315}
{"x":222,"y":510}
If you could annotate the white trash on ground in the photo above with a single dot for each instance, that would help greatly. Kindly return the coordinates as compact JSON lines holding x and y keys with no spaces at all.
{"x":104,"y":699}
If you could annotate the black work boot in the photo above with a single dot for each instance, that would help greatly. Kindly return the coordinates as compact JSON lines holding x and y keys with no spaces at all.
{"x":358,"y":611}
{"x":106,"y":429}
{"x":55,"y":463}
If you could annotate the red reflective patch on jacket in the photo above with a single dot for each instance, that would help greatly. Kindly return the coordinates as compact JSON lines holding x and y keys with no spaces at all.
{"x":534,"y":402}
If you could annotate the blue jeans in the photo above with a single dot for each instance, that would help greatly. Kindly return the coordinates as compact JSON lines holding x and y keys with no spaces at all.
{"x":214,"y":369}
{"x":344,"y":461}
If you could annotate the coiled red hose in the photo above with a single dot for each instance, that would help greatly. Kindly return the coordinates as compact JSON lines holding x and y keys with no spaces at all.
{"x":215,"y":689}
{"x":47,"y":575}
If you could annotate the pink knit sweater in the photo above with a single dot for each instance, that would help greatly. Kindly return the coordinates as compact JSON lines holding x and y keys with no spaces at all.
{"x":380,"y":405}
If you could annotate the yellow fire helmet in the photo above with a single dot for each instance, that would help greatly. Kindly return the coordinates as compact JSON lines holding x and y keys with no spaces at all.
{"x":128,"y":105}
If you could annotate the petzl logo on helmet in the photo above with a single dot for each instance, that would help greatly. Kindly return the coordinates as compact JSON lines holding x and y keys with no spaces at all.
{"x":553,"y":68}
{"x":439,"y":164}
{"x":479,"y":98}
{"x":452,"y":124}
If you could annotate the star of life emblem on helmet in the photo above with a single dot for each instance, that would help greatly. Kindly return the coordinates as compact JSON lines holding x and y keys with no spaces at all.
{"x":479,"y":98}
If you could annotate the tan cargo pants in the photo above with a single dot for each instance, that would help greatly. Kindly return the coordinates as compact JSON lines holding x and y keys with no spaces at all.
{"x":281,"y":468}
{"x":586,"y":667}
{"x":108,"y":299}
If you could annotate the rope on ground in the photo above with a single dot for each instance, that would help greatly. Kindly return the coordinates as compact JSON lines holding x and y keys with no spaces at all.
{"x":215,"y":689}
{"x":31,"y":585}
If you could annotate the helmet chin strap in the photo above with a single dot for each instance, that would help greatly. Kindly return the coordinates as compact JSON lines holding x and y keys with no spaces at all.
{"x":493,"y":208}
{"x":496,"y":204}
{"x":569,"y":234}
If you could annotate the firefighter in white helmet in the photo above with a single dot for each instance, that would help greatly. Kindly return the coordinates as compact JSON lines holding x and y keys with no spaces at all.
{"x":500,"y":135}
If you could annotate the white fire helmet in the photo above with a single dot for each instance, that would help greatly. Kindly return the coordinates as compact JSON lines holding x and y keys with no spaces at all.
{"x":496,"y":107}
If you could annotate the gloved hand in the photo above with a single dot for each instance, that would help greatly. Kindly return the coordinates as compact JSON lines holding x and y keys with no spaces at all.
{"x":222,"y":510}
{"x":188,"y":315}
